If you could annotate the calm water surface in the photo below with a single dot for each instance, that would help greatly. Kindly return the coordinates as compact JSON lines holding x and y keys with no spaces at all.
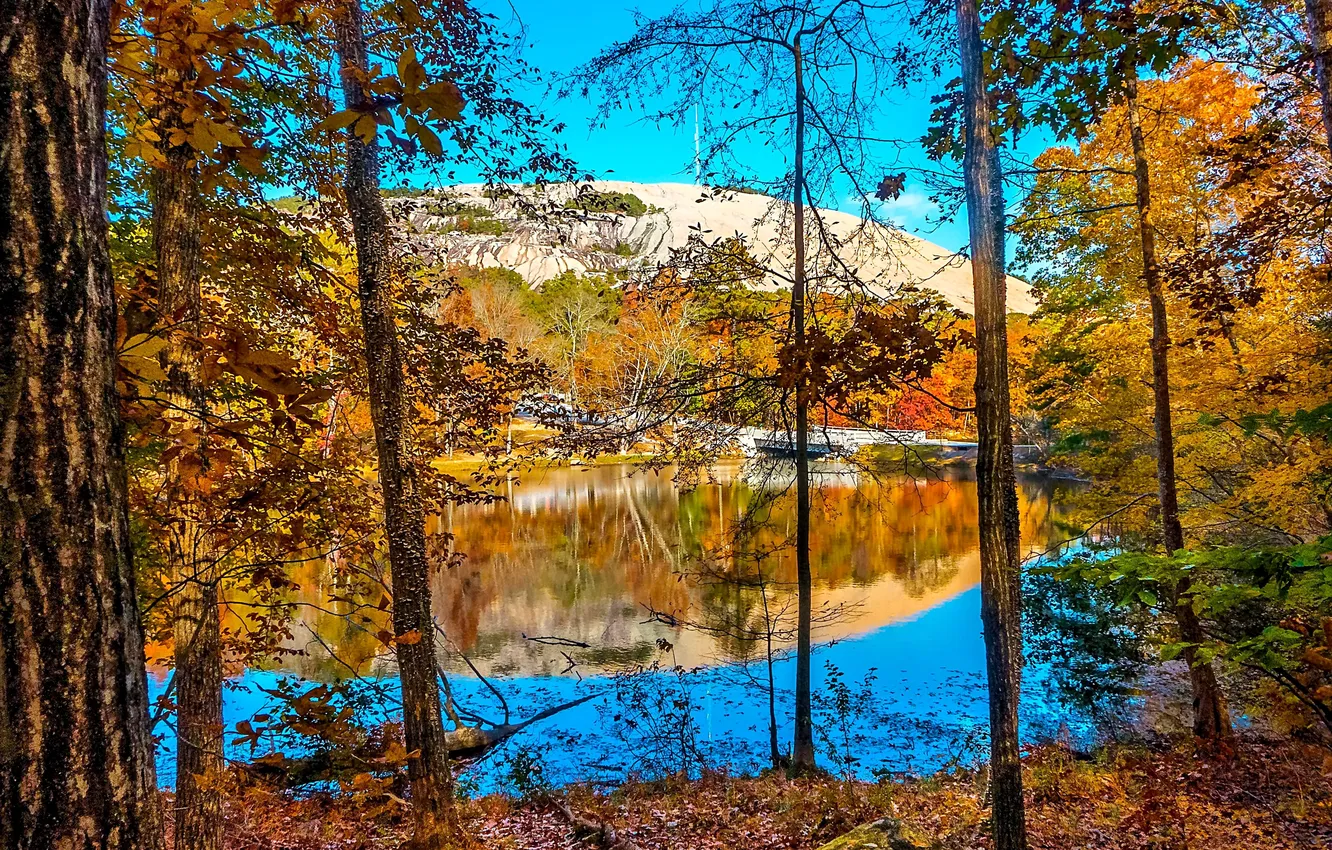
{"x":582,"y":574}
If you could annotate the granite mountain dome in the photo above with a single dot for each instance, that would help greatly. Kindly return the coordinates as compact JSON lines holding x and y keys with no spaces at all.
{"x":465,"y":225}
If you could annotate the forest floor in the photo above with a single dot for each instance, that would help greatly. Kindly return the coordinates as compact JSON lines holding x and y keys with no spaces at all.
{"x":1268,"y":794}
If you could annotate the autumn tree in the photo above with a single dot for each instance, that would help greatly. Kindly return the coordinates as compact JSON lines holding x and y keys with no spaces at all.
{"x":1075,"y":62}
{"x":201,"y":103}
{"x":783,"y":61}
{"x":78,"y":764}
{"x":1000,"y":538}
{"x":404,"y":516}
{"x":1237,"y":188}
{"x":575,"y":310}
{"x":177,"y":198}
{"x":1211,"y":717}
{"x":1319,"y":22}
{"x":497,"y":303}
{"x":1217,"y":211}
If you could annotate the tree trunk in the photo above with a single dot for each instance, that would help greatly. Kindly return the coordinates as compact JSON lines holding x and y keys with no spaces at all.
{"x":802,"y":753}
{"x":176,"y":199}
{"x":1210,"y":717}
{"x":774,"y":749}
{"x":404,"y":519}
{"x":198,"y":658}
{"x":76,"y":758}
{"x":197,"y":638}
{"x":1319,"y":18}
{"x":1001,"y":600}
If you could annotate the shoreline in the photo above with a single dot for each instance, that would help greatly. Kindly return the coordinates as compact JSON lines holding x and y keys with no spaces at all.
{"x":1165,"y":792}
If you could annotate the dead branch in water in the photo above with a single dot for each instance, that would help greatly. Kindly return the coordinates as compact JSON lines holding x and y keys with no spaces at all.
{"x":463,"y":743}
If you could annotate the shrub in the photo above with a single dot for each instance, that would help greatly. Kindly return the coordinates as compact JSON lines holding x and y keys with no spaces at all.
{"x":451,"y":209}
{"x":403,"y":192}
{"x":466,"y":224}
{"x":289,"y":203}
{"x":653,"y":717}
{"x":490,"y":226}
{"x":608,"y":202}
{"x":525,"y":771}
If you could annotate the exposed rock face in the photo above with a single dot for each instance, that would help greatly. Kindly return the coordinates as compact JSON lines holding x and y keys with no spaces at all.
{"x":537,"y":236}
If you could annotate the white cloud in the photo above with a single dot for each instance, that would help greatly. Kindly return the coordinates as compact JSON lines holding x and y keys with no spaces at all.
{"x":912,"y":209}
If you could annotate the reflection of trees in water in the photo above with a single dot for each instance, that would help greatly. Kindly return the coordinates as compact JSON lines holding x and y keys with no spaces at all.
{"x":576,"y":560}
{"x":584,"y":554}
{"x":863,"y":532}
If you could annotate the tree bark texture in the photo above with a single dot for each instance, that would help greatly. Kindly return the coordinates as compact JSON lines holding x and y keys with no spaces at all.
{"x":1319,"y":17}
{"x":404,"y":519}
{"x":1210,"y":716}
{"x":1000,"y":539}
{"x":802,"y":752}
{"x":76,"y":758}
{"x":197,"y":628}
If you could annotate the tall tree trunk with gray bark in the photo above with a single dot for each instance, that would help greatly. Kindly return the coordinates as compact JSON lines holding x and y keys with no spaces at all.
{"x":1001,"y":600}
{"x":1211,"y":719}
{"x":76,"y":757}
{"x":390,"y":412}
{"x":197,"y":638}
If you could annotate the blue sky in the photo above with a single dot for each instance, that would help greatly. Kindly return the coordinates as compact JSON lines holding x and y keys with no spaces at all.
{"x":561,"y":36}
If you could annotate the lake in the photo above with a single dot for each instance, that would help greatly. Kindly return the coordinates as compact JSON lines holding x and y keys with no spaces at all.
{"x":582,"y":575}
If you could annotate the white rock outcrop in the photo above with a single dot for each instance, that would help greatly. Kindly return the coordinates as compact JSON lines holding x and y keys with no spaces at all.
{"x":537,"y":237}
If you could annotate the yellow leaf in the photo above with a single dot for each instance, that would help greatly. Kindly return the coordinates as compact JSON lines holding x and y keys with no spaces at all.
{"x":338,"y":120}
{"x":145,"y":367}
{"x":366,"y":128}
{"x":227,"y":135}
{"x":396,"y":753}
{"x":409,"y":70}
{"x":144,"y":345}
{"x":273,"y":359}
{"x":444,"y":100}
{"x":429,"y":140}
{"x":252,"y":160}
{"x":201,"y":137}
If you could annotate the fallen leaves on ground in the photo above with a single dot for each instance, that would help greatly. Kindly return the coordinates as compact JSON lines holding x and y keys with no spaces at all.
{"x":1258,"y":794}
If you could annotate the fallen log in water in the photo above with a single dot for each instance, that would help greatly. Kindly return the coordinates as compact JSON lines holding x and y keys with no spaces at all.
{"x":464,"y":743}
{"x":471,"y":741}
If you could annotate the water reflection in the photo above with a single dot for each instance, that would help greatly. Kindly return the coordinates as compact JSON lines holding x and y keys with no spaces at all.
{"x":584,"y":554}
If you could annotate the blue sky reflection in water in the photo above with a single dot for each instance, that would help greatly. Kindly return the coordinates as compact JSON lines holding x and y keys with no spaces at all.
{"x":583,"y":554}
